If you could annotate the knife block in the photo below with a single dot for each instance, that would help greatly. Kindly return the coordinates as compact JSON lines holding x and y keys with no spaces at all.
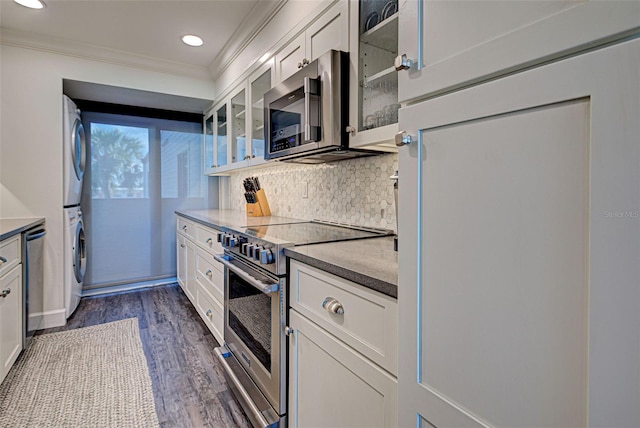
{"x":260,"y":208}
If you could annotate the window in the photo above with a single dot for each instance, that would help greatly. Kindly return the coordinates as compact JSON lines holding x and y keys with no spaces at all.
{"x":142,"y":170}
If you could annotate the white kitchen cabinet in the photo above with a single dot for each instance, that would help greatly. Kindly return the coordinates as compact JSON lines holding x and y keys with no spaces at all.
{"x":209,"y":146}
{"x":199,"y":274}
{"x":235,"y":128}
{"x":331,"y":385}
{"x":450,"y":47}
{"x":259,"y":83}
{"x":181,"y":254}
{"x":369,"y":322}
{"x":229,"y":126}
{"x":190,"y":281}
{"x":342,"y":362}
{"x":329,"y":31}
{"x":520,"y":237}
{"x":373,"y":99}
{"x":11,"y":307}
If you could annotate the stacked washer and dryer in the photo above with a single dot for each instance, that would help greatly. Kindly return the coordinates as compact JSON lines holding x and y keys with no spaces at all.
{"x":75,"y":154}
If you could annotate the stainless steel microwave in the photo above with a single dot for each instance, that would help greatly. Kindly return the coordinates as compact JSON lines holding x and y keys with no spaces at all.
{"x":306,"y":116}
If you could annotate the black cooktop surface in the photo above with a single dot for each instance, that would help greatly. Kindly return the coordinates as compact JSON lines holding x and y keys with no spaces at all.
{"x":313,"y":232}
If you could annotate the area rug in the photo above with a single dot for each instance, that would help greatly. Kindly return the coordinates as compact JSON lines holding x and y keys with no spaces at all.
{"x":89,"y":377}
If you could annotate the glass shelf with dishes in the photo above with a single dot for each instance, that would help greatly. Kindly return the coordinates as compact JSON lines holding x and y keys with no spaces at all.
{"x":374,"y":110}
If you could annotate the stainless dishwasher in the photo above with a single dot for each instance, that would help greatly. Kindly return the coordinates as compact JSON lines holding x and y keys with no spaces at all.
{"x":33,"y":247}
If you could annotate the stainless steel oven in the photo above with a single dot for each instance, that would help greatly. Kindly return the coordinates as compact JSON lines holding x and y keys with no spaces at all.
{"x":254,"y":357}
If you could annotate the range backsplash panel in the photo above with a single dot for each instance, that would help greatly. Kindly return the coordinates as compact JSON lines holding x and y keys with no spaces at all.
{"x":356,"y":191}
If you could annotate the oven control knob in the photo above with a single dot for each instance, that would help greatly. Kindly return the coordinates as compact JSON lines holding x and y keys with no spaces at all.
{"x":256,"y":253}
{"x":244,"y":248}
{"x":250,"y":249}
{"x":220,"y":237}
{"x":266,"y":256}
{"x":233,"y":241}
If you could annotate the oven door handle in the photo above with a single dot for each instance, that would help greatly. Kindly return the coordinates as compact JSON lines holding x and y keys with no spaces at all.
{"x":265,"y":287}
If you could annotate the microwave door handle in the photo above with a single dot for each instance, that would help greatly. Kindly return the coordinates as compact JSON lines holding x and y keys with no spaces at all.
{"x":265,"y":287}
{"x":311,"y":132}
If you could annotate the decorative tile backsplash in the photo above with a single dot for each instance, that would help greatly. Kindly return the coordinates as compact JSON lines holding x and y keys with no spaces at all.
{"x":356,"y":191}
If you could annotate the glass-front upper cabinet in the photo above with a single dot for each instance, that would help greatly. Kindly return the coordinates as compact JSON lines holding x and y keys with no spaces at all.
{"x":209,"y":162}
{"x":374,"y":99}
{"x":260,"y":82}
{"x":239,"y":153}
{"x":234,"y":131}
{"x":220,"y":132}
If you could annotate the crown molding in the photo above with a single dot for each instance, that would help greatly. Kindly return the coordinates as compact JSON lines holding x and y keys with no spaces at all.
{"x":261,"y":14}
{"x":87,"y":51}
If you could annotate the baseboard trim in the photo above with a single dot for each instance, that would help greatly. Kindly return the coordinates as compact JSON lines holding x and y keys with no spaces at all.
{"x":55,"y":318}
{"x":127,"y":287}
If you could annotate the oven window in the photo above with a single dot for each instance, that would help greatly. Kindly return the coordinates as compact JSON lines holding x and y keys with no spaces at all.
{"x":250,"y":318}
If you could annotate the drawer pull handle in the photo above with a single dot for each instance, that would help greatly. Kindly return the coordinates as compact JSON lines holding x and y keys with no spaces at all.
{"x":184,"y":227}
{"x":5,"y":292}
{"x":333,"y":306}
{"x":181,"y":245}
{"x":208,"y":273}
{"x":3,"y":259}
{"x":209,"y":241}
{"x":209,"y":313}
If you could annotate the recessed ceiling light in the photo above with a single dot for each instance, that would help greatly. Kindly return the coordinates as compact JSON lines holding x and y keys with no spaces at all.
{"x":192,"y":40}
{"x":31,"y":4}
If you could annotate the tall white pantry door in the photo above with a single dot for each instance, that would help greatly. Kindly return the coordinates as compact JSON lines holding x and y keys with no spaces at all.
{"x":519,"y":300}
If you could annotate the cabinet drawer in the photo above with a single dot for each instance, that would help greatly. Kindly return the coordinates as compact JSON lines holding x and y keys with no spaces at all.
{"x":211,"y":312}
{"x":10,"y":253}
{"x":369,"y":322}
{"x":208,"y":239}
{"x":210,"y":274}
{"x":186,"y":227}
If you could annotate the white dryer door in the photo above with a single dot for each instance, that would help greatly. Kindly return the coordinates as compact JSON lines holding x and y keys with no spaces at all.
{"x":79,"y":148}
{"x":79,"y":254}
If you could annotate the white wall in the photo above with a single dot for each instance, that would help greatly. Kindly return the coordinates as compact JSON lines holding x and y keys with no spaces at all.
{"x":31,"y":139}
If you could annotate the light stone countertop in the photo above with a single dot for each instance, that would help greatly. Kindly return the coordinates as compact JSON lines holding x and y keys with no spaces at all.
{"x":13,"y":226}
{"x":230,"y":218}
{"x":369,"y":262}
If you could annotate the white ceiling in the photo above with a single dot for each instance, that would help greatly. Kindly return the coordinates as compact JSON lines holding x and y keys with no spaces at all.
{"x":140,"y":33}
{"x":151,"y":28}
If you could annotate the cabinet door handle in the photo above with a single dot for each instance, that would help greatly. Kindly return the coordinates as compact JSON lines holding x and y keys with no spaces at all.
{"x":181,"y":245}
{"x":402,"y":139}
{"x":208,"y":273}
{"x":184,"y":227}
{"x":300,"y":65}
{"x":209,"y":241}
{"x":209,"y":313}
{"x":5,"y":292}
{"x":402,"y":62}
{"x":3,"y":259}
{"x":332,"y":306}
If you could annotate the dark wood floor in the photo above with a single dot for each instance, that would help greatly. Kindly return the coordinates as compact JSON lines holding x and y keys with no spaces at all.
{"x":188,"y":384}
